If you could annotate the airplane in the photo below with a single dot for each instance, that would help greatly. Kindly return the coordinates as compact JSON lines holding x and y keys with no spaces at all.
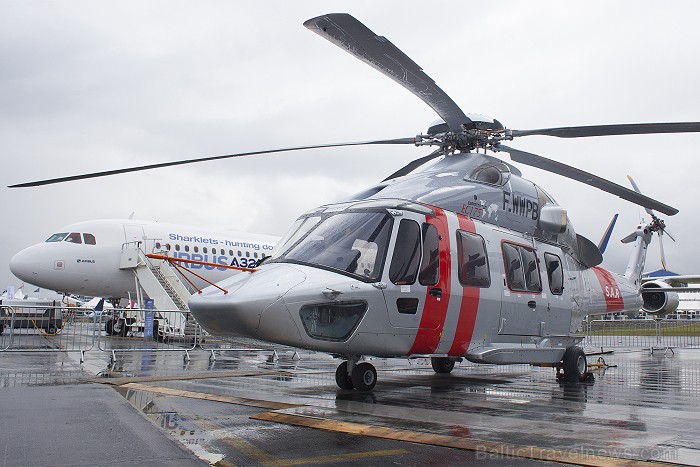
{"x":84,"y":258}
{"x":454,"y":256}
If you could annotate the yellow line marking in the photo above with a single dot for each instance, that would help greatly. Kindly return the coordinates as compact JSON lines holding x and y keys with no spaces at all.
{"x":181,"y":377}
{"x":489,"y":447}
{"x":267,"y":459}
{"x":270,"y":405}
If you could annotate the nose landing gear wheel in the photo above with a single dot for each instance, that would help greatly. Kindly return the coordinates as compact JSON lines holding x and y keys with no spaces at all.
{"x":342,"y":377}
{"x":364,"y":376}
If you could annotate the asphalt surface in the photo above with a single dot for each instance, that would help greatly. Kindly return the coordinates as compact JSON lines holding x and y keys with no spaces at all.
{"x":261,"y":405}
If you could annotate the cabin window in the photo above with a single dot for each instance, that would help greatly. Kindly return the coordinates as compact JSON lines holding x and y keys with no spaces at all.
{"x":522,"y":270}
{"x":157,"y":245}
{"x":247,"y":254}
{"x":555,"y":273}
{"x":73,"y":237}
{"x":430,"y":269}
{"x":196,"y":249}
{"x":187,"y":248}
{"x":473,"y":269}
{"x":57,"y":237}
{"x":177,"y":247}
{"x":255,"y":255}
{"x":404,"y":264}
{"x":239,"y":253}
{"x":167,"y":246}
{"x":204,"y":249}
{"x":230,"y":252}
{"x":89,"y":239}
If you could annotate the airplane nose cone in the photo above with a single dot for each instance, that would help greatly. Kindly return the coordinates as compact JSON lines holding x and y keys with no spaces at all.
{"x":249,"y":295}
{"x":25,"y":265}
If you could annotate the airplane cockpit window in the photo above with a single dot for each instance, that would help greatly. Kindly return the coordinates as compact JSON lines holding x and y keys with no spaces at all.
{"x":343,"y":242}
{"x":73,"y":237}
{"x":430,"y":268}
{"x":473,"y":268}
{"x":89,"y":239}
{"x":555,"y":273}
{"x":404,"y":264}
{"x":57,"y":237}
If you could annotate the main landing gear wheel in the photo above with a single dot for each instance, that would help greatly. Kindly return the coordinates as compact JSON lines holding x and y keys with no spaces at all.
{"x":442,"y":364}
{"x":342,"y":377}
{"x":364,"y":376}
{"x":575,"y":364}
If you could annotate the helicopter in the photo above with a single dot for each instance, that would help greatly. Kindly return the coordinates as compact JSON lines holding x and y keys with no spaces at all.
{"x":453,"y":256}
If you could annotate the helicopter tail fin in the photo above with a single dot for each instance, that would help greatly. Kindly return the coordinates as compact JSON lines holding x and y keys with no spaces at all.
{"x":603,"y":244}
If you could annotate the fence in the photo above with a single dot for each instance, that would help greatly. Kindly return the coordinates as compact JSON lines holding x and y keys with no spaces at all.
{"x":75,"y":329}
{"x":642,"y":333}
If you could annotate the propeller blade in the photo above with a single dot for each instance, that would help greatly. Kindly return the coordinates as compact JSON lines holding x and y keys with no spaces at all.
{"x":584,"y":177}
{"x":204,"y":159}
{"x":669,"y":235}
{"x":636,"y":188}
{"x":348,"y":33}
{"x":612,"y":130}
{"x":413,"y":165}
{"x":661,"y":251}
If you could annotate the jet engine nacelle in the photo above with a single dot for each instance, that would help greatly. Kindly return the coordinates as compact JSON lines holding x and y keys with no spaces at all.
{"x":656,"y":301}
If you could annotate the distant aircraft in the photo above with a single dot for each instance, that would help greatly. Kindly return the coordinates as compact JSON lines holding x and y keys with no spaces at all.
{"x":84,"y":258}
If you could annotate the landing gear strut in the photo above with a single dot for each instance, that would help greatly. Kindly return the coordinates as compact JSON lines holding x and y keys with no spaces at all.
{"x":353,"y":375}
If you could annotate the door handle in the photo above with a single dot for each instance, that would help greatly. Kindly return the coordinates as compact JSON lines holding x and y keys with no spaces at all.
{"x":532,"y":304}
{"x":436,"y":292}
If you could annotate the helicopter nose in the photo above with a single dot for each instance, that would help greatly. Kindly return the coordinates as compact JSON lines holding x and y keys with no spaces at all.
{"x":250,"y":298}
{"x":25,"y":265}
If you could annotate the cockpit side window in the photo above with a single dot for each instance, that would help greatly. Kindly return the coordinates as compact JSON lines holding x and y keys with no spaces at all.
{"x":430,"y":269}
{"x":73,"y":237}
{"x":57,"y":237}
{"x":555,"y":273}
{"x":89,"y":239}
{"x":404,"y":264}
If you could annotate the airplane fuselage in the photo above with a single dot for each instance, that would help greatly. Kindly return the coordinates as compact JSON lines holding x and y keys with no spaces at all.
{"x":84,"y":258}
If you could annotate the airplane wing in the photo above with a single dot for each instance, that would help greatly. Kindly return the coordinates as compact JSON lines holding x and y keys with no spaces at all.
{"x":678,"y":283}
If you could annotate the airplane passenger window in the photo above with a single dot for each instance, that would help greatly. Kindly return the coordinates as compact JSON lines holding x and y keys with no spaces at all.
{"x":57,"y":237}
{"x":204,"y":249}
{"x":247,"y":254}
{"x":196,"y":249}
{"x":554,"y":273}
{"x":230,"y":252}
{"x":73,"y":238}
{"x":157,"y":245}
{"x":177,"y":247}
{"x":255,"y":255}
{"x":239,"y":253}
{"x":187,"y":248}
{"x":89,"y":239}
{"x":532,"y":270}
{"x":404,"y":264}
{"x":514,"y":268}
{"x":473,"y":270}
{"x":430,"y":269}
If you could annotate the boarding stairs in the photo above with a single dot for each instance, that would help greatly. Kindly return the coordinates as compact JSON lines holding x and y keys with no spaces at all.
{"x":158,"y":279}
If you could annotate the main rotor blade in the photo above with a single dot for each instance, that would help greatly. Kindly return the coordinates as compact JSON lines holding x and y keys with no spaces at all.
{"x":612,"y":130}
{"x":413,"y":165}
{"x":348,"y":33}
{"x":204,"y":159}
{"x":589,"y":179}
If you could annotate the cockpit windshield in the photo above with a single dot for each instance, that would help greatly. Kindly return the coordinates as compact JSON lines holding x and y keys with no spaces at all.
{"x":354,"y":243}
{"x":57,"y":237}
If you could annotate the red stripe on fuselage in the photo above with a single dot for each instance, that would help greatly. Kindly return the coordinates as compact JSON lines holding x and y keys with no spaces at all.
{"x":611,"y":292}
{"x":469,"y":307}
{"x":435,"y":310}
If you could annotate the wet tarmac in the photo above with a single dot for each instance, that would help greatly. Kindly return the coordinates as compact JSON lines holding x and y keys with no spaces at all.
{"x":257,"y":405}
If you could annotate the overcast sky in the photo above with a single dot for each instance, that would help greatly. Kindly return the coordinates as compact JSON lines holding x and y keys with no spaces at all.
{"x":89,"y":86}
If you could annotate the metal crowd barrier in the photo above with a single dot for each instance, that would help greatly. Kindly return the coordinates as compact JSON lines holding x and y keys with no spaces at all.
{"x":643,"y":333}
{"x":46,"y":329}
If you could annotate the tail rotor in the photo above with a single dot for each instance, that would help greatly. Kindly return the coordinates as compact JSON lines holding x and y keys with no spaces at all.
{"x":657,"y":225}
